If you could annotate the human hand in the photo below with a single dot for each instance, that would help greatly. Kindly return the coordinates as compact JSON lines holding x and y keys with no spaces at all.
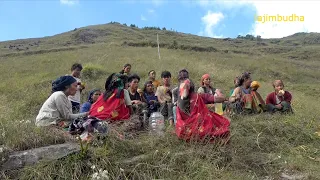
{"x":281,"y":93}
{"x":140,"y":91}
{"x":279,"y":106}
{"x":136,"y":102}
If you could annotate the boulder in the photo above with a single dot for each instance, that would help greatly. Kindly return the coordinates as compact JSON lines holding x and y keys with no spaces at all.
{"x":30,"y":157}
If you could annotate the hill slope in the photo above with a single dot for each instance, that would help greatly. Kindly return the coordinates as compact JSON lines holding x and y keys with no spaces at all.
{"x":262,"y":145}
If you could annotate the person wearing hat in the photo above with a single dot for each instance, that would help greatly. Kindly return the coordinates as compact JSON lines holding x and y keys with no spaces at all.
{"x":57,"y":109}
{"x":205,"y":87}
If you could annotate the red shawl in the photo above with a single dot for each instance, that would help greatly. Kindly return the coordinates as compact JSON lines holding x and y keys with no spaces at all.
{"x":112,"y":109}
{"x":200,"y":123}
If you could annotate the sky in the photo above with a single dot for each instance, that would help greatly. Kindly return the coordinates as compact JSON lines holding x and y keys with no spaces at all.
{"x":210,"y":18}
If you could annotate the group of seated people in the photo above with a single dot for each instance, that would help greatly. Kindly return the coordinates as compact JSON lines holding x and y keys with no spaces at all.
{"x":191,"y":111}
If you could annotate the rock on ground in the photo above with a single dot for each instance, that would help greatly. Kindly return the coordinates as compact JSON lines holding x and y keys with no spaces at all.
{"x":30,"y":157}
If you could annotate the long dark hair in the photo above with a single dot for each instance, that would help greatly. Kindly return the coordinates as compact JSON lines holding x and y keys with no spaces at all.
{"x":243,"y":77}
{"x":183,"y":75}
{"x":114,"y":81}
{"x":126,"y":65}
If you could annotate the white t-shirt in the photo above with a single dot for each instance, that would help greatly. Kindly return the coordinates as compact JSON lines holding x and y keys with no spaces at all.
{"x":56,"y":108}
{"x":77,"y":97}
{"x":127,"y":97}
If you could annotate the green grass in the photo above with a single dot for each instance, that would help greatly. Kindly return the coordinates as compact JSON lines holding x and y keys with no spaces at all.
{"x":261,"y":145}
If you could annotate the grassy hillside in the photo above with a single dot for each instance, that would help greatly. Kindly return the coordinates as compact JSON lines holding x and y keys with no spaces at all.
{"x":262,"y":147}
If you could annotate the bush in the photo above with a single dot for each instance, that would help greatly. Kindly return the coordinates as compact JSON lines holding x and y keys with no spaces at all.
{"x":92,"y":71}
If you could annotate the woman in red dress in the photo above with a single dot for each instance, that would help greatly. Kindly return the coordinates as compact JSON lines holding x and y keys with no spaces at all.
{"x":194,"y":120}
{"x":114,"y":104}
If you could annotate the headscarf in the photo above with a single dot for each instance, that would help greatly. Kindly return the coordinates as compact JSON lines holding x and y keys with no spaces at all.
{"x":205,"y":76}
{"x":61,"y":83}
{"x":91,"y":94}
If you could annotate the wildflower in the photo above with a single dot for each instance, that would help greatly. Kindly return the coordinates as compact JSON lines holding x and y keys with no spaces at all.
{"x":104,"y":174}
{"x":95,"y":175}
{"x":28,"y":121}
{"x":122,"y":170}
{"x":1,"y":149}
{"x":93,"y":167}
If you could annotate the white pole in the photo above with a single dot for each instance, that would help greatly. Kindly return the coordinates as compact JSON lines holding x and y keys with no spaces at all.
{"x":158,"y":47}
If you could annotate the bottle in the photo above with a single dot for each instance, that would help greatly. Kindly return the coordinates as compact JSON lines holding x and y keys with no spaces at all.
{"x":218,"y":107}
{"x":156,"y":124}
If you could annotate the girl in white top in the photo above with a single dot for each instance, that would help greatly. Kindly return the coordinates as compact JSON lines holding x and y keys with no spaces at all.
{"x":57,"y":108}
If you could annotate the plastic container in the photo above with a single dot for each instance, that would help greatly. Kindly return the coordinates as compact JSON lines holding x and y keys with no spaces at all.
{"x":156,"y":124}
{"x":218,"y":107}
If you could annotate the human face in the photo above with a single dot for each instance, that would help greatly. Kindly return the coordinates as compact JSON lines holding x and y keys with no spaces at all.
{"x":72,"y":89}
{"x":166,"y":80}
{"x":206,"y":81}
{"x":96,"y":95}
{"x":278,"y":86}
{"x":150,"y":88}
{"x":152,"y":75}
{"x":76,"y":72}
{"x":134,"y":84}
{"x":127,"y":69}
{"x":247,"y":82}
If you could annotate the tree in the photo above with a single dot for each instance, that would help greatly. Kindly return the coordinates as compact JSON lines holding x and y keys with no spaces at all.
{"x":259,"y":39}
{"x":175,"y":44}
{"x":164,"y":29}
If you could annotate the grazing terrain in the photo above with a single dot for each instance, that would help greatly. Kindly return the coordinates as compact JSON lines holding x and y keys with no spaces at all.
{"x":262,"y":146}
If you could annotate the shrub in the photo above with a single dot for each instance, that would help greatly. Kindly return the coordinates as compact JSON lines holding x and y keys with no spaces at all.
{"x":92,"y":71}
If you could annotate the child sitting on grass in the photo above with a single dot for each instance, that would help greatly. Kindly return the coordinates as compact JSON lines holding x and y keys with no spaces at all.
{"x":164,"y":96}
{"x":150,"y":97}
{"x":279,"y":100}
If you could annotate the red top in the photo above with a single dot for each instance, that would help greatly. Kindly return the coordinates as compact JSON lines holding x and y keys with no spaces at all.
{"x":271,"y":98}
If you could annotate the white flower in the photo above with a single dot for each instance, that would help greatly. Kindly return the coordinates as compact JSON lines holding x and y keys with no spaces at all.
{"x":1,"y":149}
{"x":279,"y":157}
{"x":104,"y":174}
{"x":95,"y":175}
{"x":100,"y":170}
{"x":122,"y":170}
{"x":93,"y":167}
{"x":28,"y":121}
